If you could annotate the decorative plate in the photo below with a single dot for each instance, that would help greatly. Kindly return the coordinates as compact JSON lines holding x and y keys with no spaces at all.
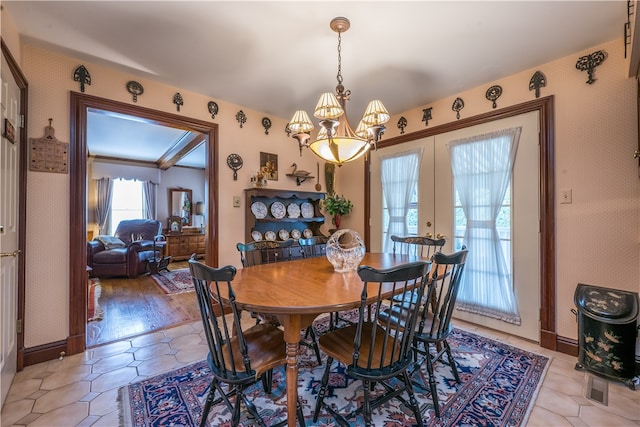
{"x":295,"y":234}
{"x":293,"y":210}
{"x":278,"y":210}
{"x":307,"y":210}
{"x":259,"y":210}
{"x":307,"y":233}
{"x":283,"y":234}
{"x":256,"y":235}
{"x":270,"y":235}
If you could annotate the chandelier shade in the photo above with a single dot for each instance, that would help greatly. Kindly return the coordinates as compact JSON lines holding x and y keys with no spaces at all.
{"x":336,"y":141}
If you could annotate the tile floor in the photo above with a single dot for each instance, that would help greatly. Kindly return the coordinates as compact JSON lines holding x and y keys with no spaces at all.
{"x":81,"y":390}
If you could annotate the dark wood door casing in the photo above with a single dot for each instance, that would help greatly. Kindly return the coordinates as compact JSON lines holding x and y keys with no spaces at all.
{"x":545,"y":107}
{"x":79,"y":104}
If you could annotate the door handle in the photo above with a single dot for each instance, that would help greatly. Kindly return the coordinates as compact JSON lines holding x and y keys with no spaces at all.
{"x":440,"y":236}
{"x":429,"y":235}
{"x":8,"y":254}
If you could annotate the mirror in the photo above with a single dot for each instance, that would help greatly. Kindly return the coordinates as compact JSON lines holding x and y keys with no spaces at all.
{"x":180,"y":204}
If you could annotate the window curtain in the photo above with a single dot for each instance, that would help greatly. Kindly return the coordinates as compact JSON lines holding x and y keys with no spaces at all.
{"x":399,"y":175}
{"x":482,"y":168}
{"x":149,"y":199}
{"x":103,"y":206}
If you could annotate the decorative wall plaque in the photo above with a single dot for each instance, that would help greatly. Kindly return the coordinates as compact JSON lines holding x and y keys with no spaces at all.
{"x":177,"y":99}
{"x":266,"y":124}
{"x":537,"y":81}
{"x":213,"y":108}
{"x":47,"y":154}
{"x":426,"y":115}
{"x":458,"y":105}
{"x":493,"y":93}
{"x":81,"y":74}
{"x":589,"y":63}
{"x":241,"y":118}
{"x":402,"y":123}
{"x":135,"y":89}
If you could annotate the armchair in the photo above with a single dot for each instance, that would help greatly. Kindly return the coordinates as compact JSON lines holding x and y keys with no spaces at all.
{"x":137,"y":241}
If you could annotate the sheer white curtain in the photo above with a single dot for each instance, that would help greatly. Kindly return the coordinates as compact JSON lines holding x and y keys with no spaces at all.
{"x":399,"y":175}
{"x":482,"y":168}
{"x":103,"y":205}
{"x":149,"y":204}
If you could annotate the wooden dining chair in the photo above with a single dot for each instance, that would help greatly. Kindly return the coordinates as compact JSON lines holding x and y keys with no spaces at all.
{"x":373,"y":351}
{"x":434,"y":326}
{"x":420,"y":246}
{"x":236,"y":358}
{"x":313,"y":246}
{"x":266,"y":252}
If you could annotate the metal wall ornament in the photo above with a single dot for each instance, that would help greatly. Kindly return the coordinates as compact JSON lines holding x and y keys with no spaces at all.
{"x":287,"y":130}
{"x":241,"y":118}
{"x":589,"y":63}
{"x":493,"y":93}
{"x":235,"y":162}
{"x":81,"y":74}
{"x":537,"y":81}
{"x":458,"y":105}
{"x":426,"y":115}
{"x":402,"y":123}
{"x":135,"y":89}
{"x":177,"y":99}
{"x":266,"y":124}
{"x":212,"y":106}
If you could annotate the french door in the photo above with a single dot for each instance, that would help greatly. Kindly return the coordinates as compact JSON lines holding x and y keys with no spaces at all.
{"x":436,"y":208}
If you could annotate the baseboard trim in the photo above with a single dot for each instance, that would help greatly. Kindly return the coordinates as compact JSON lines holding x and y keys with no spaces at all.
{"x":44,"y":352}
{"x":567,"y":346}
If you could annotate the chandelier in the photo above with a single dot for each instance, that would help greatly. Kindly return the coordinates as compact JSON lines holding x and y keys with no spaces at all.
{"x":336,"y":141}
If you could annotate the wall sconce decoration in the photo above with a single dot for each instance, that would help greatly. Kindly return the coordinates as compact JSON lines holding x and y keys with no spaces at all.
{"x":458,"y":105}
{"x":241,"y":118}
{"x":81,"y":74}
{"x":589,"y":63}
{"x":493,"y":93}
{"x":200,"y":213}
{"x":213,"y":109}
{"x":266,"y":124}
{"x":234,"y":161}
{"x":135,"y":89}
{"x":426,"y":115}
{"x":537,"y":81}
{"x":402,"y":123}
{"x":177,"y":99}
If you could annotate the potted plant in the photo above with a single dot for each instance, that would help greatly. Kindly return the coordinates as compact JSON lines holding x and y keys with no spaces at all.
{"x":336,"y":206}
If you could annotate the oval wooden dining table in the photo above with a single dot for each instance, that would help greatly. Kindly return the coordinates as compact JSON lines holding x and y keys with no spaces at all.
{"x":297,"y":292}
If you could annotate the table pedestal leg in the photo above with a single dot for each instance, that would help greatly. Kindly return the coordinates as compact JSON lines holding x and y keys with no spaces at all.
{"x":292,"y":338}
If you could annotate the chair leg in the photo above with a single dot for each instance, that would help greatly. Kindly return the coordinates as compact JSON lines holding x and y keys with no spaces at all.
{"x":413,"y":403}
{"x":366,"y":404}
{"x":300,"y":414}
{"x":207,"y":404}
{"x":267,"y":380}
{"x":452,"y":362}
{"x":314,"y":343}
{"x":432,"y":383}
{"x":323,"y":389}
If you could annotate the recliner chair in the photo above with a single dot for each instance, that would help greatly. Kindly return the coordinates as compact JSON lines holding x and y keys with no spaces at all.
{"x":141,"y":241}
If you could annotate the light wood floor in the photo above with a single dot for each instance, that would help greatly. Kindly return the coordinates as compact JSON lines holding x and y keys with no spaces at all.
{"x":137,"y":306}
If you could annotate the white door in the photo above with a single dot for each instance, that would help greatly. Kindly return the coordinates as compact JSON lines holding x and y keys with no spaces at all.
{"x":9,"y":173}
{"x":435,"y":211}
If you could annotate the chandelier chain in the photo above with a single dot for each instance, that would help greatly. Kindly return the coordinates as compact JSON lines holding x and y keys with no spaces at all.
{"x":339,"y":76}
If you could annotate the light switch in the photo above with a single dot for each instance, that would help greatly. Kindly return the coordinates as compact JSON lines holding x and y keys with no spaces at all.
{"x":236,"y":201}
{"x":565,"y":196}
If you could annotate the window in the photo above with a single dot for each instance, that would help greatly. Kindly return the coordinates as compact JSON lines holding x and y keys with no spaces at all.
{"x":126,"y":202}
{"x":412,"y":214}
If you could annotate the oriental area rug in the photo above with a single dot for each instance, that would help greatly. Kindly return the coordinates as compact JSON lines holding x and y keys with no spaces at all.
{"x":174,"y":282}
{"x":499,"y":384}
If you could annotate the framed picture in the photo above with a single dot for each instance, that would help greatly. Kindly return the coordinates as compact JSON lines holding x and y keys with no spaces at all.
{"x":9,"y":131}
{"x":269,"y":165}
{"x":174,"y":224}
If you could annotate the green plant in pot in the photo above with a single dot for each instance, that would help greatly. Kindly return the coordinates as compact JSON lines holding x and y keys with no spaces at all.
{"x":336,"y":206}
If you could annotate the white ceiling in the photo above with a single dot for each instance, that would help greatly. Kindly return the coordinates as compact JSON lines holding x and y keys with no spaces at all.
{"x":278,"y":57}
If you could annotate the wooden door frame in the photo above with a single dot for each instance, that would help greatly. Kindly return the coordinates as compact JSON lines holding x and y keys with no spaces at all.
{"x":545,"y":107}
{"x":23,"y":85}
{"x":79,"y":103}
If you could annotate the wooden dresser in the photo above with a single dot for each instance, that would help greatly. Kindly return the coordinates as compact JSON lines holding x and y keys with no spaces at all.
{"x":181,"y":246}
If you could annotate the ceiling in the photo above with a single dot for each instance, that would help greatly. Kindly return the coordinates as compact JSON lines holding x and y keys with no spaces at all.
{"x":279,"y":56}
